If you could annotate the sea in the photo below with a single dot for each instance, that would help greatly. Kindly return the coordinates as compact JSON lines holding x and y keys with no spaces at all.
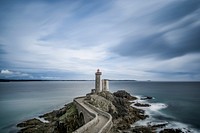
{"x":174,"y":103}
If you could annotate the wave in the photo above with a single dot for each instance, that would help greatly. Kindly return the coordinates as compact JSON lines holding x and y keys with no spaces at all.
{"x":157,"y":106}
{"x":185,"y":128}
{"x":42,"y":119}
{"x":157,"y":117}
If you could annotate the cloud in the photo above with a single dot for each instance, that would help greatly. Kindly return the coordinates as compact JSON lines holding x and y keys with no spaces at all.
{"x":71,"y":39}
{"x":167,"y":40}
{"x":163,"y":45}
{"x":6,"y":72}
{"x":175,"y":11}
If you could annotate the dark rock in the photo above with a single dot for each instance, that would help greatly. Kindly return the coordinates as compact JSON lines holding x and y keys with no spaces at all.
{"x":171,"y":131}
{"x":141,"y":111}
{"x":160,"y":125}
{"x":31,"y":122}
{"x":124,"y":94}
{"x":126,"y":114}
{"x":60,"y":121}
{"x":146,"y":98}
{"x":142,"y":105}
{"x":142,"y":129}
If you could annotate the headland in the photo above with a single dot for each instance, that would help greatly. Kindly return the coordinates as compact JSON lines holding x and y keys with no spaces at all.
{"x":97,"y":112}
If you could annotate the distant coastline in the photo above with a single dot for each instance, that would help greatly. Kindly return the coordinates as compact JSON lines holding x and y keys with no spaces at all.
{"x":30,"y":80}
{"x":22,"y":80}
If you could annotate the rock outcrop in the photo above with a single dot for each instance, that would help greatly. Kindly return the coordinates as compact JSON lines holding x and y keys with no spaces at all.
{"x":59,"y":121}
{"x":146,"y":98}
{"x":142,"y":105}
{"x":125,"y":95}
{"x":118,"y":105}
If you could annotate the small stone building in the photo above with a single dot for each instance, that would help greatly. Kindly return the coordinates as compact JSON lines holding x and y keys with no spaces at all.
{"x":105,"y":85}
{"x":100,"y":85}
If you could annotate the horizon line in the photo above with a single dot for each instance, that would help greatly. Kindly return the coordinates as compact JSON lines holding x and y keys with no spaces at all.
{"x":18,"y":80}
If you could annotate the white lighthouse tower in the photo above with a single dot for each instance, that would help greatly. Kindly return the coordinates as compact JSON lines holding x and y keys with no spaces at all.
{"x":98,"y":81}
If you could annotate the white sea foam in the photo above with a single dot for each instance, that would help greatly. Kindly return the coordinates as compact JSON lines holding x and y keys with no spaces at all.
{"x":42,"y":120}
{"x":148,"y":122}
{"x":155,"y":110}
{"x":186,"y":128}
{"x":168,"y":125}
{"x":157,"y":106}
{"x":153,"y":107}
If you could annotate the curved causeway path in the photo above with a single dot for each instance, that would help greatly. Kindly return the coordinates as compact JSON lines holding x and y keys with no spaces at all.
{"x":103,"y":121}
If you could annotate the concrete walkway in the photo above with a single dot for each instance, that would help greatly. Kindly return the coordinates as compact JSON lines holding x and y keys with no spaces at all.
{"x":102,"y":120}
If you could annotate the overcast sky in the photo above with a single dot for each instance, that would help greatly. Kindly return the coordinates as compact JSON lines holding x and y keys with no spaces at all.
{"x":125,"y":39}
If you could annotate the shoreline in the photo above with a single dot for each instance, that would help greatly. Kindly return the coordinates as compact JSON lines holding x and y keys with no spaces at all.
{"x":164,"y":122}
{"x":122,"y":122}
{"x":51,"y":117}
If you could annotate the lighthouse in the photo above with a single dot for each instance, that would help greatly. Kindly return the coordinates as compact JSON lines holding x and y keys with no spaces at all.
{"x":98,"y":81}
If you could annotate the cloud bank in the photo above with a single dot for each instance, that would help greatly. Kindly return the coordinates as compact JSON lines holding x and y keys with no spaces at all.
{"x":151,"y":40}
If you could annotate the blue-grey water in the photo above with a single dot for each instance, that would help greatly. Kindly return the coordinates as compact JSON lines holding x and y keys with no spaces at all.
{"x":23,"y":100}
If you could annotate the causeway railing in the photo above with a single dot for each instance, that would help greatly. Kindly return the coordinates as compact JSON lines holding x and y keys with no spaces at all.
{"x":106,"y":128}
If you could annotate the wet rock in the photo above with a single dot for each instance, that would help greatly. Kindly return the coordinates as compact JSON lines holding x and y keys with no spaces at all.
{"x":146,"y":98}
{"x":142,"y":105}
{"x":171,"y":131}
{"x":160,"y":125}
{"x":30,"y":122}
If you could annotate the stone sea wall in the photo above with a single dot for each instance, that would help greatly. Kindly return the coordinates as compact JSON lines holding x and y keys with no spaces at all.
{"x":88,"y":124}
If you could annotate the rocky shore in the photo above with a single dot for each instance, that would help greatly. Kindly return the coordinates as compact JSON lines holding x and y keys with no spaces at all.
{"x":118,"y":104}
{"x":58,"y":121}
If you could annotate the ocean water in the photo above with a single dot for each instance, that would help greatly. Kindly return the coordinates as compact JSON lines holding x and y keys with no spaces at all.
{"x":176,"y":103}
{"x":24,"y":100}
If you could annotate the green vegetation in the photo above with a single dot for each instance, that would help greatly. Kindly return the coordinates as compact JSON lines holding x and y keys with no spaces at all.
{"x":71,"y":112}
